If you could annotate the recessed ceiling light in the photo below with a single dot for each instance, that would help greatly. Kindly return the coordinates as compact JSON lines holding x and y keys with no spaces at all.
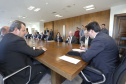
{"x":58,"y":15}
{"x":19,"y":16}
{"x":47,"y":3}
{"x":31,"y":7}
{"x":90,"y":9}
{"x":42,"y":20}
{"x":37,"y":9}
{"x":89,"y":6}
{"x":24,"y":16}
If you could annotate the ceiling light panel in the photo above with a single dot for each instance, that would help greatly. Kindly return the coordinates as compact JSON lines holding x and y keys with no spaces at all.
{"x":37,"y":9}
{"x":90,"y":9}
{"x":89,"y":6}
{"x":31,"y":8}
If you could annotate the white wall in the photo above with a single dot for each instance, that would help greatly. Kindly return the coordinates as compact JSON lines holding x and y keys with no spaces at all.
{"x":115,"y":10}
{"x":39,"y":26}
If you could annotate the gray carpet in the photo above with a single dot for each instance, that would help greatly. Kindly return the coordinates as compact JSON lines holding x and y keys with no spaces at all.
{"x":47,"y":80}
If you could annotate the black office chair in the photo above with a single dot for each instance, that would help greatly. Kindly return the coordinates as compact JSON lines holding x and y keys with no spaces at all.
{"x":2,"y":78}
{"x":121,"y":44}
{"x":119,"y":76}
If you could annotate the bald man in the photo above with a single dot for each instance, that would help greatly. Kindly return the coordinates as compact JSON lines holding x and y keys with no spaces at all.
{"x":4,"y":30}
{"x":86,"y":37}
{"x":71,"y":38}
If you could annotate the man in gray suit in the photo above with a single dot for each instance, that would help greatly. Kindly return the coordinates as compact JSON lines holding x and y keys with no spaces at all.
{"x":4,"y":30}
{"x":71,"y":38}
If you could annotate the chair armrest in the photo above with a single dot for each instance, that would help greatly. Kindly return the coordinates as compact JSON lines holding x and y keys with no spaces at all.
{"x":96,"y":71}
{"x":18,"y":72}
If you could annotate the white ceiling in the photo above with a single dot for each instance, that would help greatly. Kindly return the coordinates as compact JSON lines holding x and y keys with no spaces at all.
{"x":11,"y":9}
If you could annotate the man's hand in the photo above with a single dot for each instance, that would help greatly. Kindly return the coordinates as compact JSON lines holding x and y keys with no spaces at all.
{"x":41,"y":47}
{"x":44,"y":48}
{"x":82,"y":48}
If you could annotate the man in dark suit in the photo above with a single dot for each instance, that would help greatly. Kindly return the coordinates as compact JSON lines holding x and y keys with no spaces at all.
{"x":103,"y":29}
{"x":45,"y":32}
{"x":16,"y":54}
{"x":71,"y":38}
{"x":51,"y":33}
{"x":86,"y":37}
{"x":102,"y":54}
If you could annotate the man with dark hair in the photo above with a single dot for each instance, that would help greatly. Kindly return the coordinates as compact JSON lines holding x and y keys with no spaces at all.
{"x":102,"y":54}
{"x":104,"y":30}
{"x":45,"y":32}
{"x":4,"y":30}
{"x":16,"y":54}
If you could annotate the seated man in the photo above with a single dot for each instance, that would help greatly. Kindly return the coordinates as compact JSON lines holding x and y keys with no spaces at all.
{"x":58,"y":37}
{"x":48,"y":37}
{"x":4,"y":30}
{"x":16,"y":54}
{"x":71,"y":38}
{"x":27,"y":35}
{"x":102,"y":54}
{"x":86,"y":38}
{"x":42,"y":36}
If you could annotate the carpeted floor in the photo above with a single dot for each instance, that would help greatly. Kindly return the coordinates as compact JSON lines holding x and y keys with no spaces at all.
{"x":47,"y":80}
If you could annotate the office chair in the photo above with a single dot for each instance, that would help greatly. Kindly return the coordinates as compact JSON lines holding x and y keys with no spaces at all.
{"x":119,"y":76}
{"x":2,"y":78}
{"x":120,"y":43}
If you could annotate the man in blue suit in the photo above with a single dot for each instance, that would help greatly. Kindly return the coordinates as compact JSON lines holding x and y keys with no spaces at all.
{"x":102,"y":54}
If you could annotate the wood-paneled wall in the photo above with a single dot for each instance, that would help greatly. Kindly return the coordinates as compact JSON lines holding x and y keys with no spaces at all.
{"x":49,"y":25}
{"x":101,"y":17}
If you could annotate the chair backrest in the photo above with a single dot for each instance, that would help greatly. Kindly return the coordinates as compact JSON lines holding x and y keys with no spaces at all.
{"x":122,"y":39}
{"x":1,"y":79}
{"x":120,"y":73}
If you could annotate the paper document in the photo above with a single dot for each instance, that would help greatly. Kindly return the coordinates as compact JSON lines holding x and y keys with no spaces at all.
{"x":78,"y":50}
{"x":51,"y":41}
{"x":69,"y":59}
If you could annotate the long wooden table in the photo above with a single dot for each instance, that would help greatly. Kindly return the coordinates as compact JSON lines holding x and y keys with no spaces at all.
{"x":60,"y":70}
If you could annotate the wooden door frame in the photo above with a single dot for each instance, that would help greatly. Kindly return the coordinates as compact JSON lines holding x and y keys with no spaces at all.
{"x":116,"y":26}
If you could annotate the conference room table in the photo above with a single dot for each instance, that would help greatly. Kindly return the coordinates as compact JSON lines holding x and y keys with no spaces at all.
{"x":60,"y":69}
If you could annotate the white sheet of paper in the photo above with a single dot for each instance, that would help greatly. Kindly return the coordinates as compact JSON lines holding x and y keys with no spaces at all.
{"x":69,"y":59}
{"x":51,"y":41}
{"x":78,"y":50}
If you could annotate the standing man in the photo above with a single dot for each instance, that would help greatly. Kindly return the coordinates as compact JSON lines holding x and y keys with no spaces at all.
{"x":76,"y":34}
{"x":81,"y":33}
{"x":45,"y":32}
{"x":51,"y":33}
{"x":103,"y":29}
{"x":4,"y":30}
{"x":16,"y":54}
{"x":102,"y":54}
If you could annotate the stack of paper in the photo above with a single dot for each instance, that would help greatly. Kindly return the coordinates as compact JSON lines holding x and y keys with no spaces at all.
{"x":79,"y":50}
{"x":69,"y":59}
{"x":51,"y":41}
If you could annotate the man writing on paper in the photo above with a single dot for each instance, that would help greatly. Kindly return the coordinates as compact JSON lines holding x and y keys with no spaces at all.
{"x":102,"y":54}
{"x":16,"y":54}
